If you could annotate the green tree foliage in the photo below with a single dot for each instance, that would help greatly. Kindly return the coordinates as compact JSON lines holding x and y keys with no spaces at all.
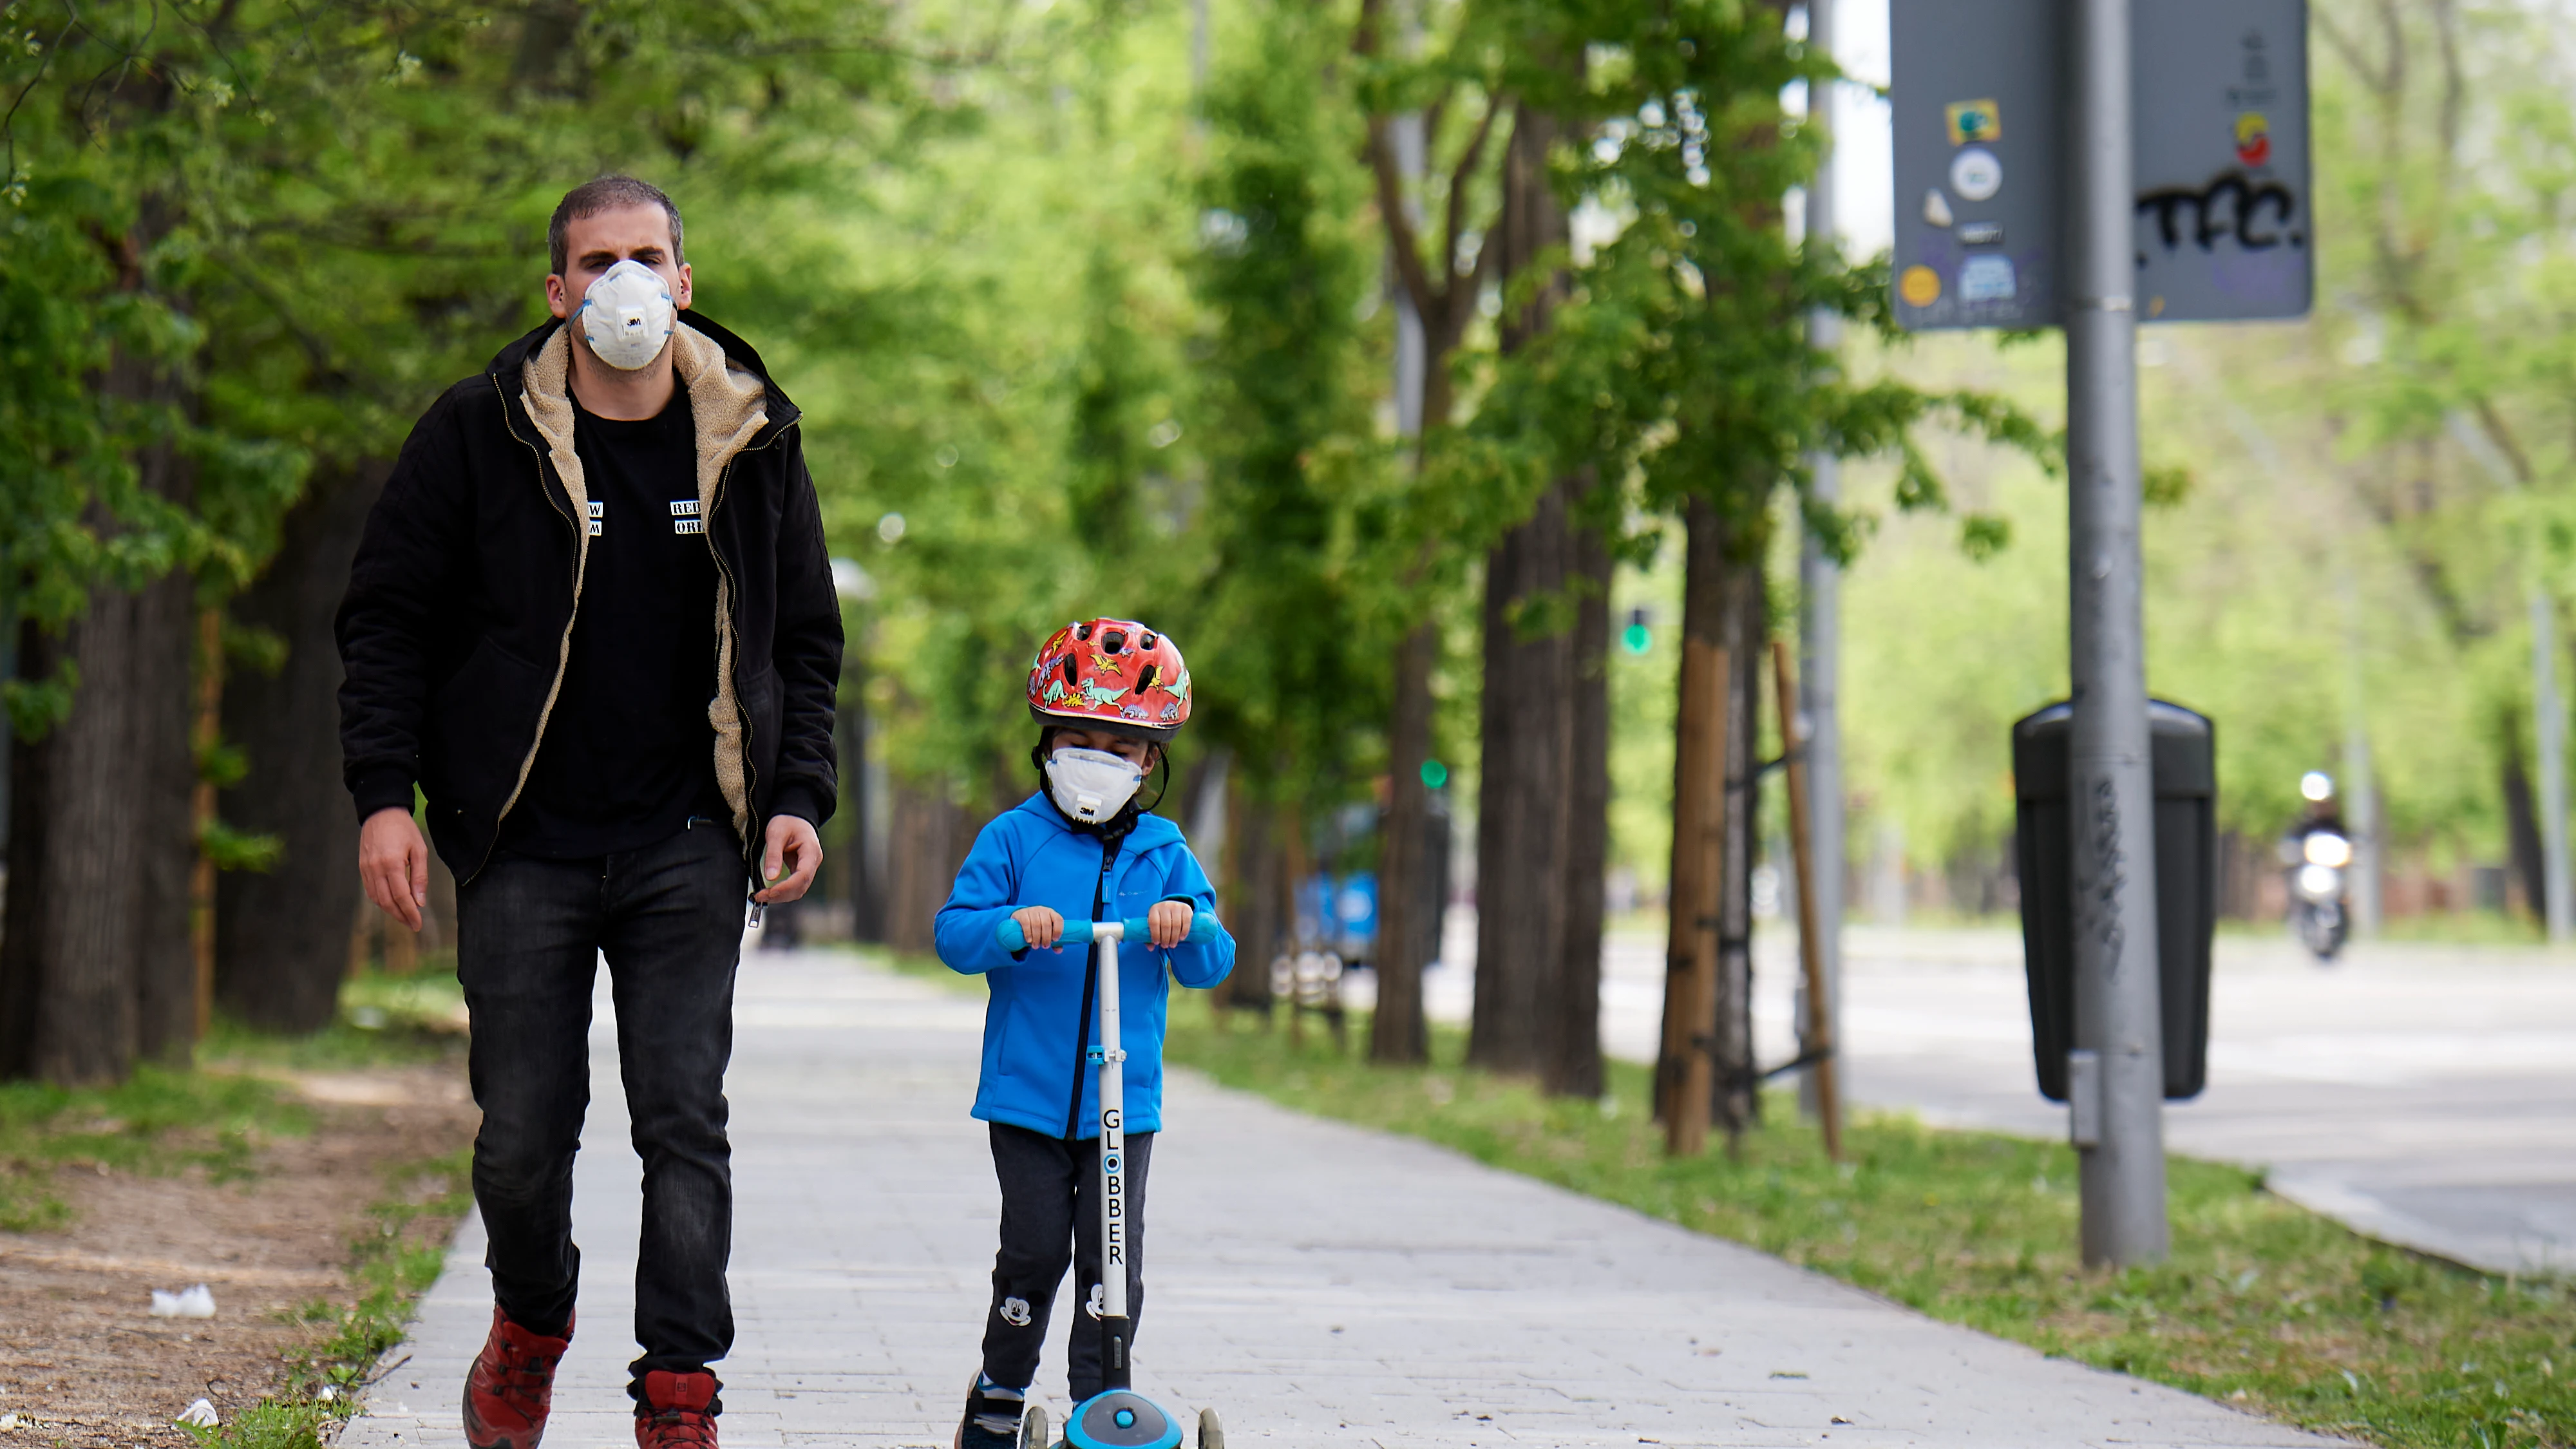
{"x":1682,"y":366}
{"x":1294,"y":677}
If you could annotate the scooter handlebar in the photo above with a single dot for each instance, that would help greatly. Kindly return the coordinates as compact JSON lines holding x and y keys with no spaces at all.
{"x":1134,"y":928}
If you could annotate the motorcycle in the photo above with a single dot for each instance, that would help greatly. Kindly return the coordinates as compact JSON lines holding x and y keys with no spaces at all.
{"x":2318,"y":909}
{"x":2318,"y":854}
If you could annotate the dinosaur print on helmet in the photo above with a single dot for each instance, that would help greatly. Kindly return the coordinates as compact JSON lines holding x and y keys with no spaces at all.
{"x":1111,"y":674}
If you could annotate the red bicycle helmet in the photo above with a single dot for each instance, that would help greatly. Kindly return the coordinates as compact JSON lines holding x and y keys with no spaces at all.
{"x":1114,"y":675}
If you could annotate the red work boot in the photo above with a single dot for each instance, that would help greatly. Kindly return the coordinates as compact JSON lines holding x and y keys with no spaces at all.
{"x":511,"y":1386}
{"x":679,"y":1411}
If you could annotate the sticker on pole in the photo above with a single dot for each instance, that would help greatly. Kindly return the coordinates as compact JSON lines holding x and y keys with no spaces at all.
{"x":1973,"y":121}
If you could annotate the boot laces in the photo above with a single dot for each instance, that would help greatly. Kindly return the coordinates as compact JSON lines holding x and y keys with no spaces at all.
{"x":680,"y":1429}
{"x":521,"y":1378}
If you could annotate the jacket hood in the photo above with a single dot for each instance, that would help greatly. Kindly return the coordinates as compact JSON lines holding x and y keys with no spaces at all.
{"x":739,"y":355}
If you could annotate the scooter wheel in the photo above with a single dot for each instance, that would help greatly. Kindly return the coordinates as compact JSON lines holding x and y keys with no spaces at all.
{"x":1033,"y":1429}
{"x":1211,"y":1433}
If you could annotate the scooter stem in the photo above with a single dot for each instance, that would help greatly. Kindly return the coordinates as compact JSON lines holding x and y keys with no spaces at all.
{"x":1114,"y":1325}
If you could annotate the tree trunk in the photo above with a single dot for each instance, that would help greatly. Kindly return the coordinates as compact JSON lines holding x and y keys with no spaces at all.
{"x":1744,"y":630}
{"x":1407,"y":884}
{"x":1573,"y":1066}
{"x":1545,"y":790}
{"x":2522,"y":822}
{"x":928,"y":841}
{"x":95,"y":967}
{"x":1699,"y":768}
{"x":1251,"y":893}
{"x":160,"y":697}
{"x":862,"y":874}
{"x":1522,"y":834}
{"x":282,"y":935}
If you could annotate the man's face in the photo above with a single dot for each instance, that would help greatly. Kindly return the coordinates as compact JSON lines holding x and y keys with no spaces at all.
{"x":1134,"y":751}
{"x":593,"y":244}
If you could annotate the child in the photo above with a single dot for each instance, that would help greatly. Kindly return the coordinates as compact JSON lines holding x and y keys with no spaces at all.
{"x":1107,"y":696}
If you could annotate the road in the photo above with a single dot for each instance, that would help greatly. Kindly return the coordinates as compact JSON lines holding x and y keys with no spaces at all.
{"x":1319,"y":1284}
{"x":2424,"y":1094}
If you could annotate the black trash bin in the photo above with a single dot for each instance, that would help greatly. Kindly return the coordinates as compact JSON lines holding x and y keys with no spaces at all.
{"x":2184,"y":755}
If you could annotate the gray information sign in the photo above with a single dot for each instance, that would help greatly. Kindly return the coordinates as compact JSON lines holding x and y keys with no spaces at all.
{"x":1975,"y":103}
{"x":2220,"y":133}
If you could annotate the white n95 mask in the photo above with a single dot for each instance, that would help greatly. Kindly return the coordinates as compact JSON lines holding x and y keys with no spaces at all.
{"x":1091,"y":785}
{"x":627,"y":315}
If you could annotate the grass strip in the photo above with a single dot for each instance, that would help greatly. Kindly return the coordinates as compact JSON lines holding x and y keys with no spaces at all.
{"x":168,"y":1119}
{"x":2263,"y":1303}
{"x":392,"y":1261}
{"x":159,"y":1122}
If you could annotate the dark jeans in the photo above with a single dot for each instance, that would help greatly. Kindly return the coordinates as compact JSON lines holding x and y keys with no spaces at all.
{"x":669,"y":917}
{"x":1051,"y":1219}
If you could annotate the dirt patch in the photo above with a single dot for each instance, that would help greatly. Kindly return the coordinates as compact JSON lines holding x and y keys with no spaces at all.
{"x":82,"y":1362}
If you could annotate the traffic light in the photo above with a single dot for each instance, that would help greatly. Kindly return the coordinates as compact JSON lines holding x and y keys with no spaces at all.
{"x":1639,"y":636}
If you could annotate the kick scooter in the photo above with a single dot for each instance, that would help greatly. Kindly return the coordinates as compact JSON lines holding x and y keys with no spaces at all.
{"x":1117,"y":1417}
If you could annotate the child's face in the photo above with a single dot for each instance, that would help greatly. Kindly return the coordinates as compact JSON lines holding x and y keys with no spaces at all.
{"x":1134,"y":751}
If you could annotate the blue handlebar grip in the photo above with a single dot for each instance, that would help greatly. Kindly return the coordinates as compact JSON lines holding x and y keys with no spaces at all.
{"x":1078,"y":933}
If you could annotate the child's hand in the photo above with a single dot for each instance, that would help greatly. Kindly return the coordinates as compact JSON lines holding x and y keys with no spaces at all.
{"x":1043,"y":927}
{"x":1169,"y":923}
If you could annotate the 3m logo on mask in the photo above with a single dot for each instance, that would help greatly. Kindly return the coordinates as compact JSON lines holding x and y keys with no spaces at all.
{"x":1014,"y":1311}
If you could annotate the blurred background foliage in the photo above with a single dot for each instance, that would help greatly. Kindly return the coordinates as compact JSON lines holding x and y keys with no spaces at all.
{"x":1088,"y":305}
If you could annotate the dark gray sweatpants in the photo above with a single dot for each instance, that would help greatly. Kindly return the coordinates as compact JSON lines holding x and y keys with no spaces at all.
{"x":1051,"y":1220}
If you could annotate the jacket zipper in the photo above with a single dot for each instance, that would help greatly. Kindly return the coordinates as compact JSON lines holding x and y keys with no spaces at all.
{"x":1090,"y":987}
{"x":574,"y":524}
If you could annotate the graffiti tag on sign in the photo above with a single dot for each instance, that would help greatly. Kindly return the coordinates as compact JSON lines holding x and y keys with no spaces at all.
{"x":2231,"y":204}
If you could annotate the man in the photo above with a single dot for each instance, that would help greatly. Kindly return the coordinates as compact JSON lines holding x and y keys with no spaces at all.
{"x":592,"y":620}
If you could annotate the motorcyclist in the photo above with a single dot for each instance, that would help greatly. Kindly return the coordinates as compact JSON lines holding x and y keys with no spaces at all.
{"x":2317,"y":853}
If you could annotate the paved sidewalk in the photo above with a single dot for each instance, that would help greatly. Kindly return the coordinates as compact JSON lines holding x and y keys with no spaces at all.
{"x":1318,"y":1284}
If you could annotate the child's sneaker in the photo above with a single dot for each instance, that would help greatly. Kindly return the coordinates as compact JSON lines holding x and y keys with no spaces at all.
{"x":992,"y":1416}
{"x":510,"y":1388}
{"x":678,"y":1412}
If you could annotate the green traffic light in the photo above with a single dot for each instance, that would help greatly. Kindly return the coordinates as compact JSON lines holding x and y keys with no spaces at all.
{"x":1434,"y":774}
{"x":1637,"y":637}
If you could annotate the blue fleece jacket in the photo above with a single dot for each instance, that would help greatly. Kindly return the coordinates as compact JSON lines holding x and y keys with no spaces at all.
{"x":1043,"y":1017}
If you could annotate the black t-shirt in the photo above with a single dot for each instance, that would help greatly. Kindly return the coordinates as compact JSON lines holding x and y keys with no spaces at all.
{"x":628,"y":755}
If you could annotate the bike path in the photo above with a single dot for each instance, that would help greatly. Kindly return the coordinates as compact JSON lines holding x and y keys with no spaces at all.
{"x":1317,"y":1283}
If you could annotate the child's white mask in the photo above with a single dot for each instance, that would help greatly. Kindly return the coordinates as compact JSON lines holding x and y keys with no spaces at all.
{"x":627,"y":315}
{"x":1091,"y":785}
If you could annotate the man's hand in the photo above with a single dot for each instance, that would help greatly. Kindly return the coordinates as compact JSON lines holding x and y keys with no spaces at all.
{"x":393,"y":861}
{"x":795,"y":852}
{"x":1168,"y":923}
{"x":1041,"y":925}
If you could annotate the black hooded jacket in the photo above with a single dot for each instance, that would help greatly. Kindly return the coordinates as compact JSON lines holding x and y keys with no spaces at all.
{"x":459,"y":615}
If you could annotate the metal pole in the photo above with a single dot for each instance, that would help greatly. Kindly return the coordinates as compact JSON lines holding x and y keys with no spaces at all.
{"x":2117,"y":1002}
{"x":1820,"y":628}
{"x":1115,"y":1330}
{"x":2550,"y":716}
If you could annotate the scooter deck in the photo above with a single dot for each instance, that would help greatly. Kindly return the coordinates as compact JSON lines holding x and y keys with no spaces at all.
{"x":1034,"y":1426}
